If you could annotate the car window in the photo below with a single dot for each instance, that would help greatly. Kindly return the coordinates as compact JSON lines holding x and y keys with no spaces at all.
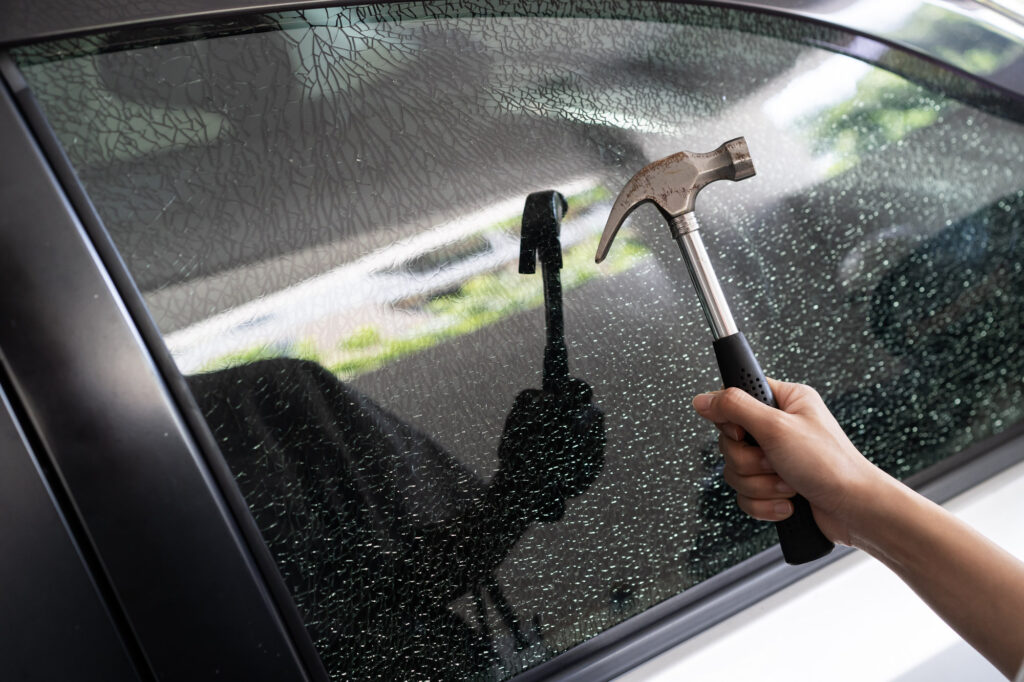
{"x":322,"y":211}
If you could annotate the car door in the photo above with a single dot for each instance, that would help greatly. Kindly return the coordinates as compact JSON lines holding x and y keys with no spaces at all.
{"x":271,"y":262}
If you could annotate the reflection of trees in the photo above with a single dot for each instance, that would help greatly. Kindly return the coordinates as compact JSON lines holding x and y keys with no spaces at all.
{"x":959,"y":41}
{"x":885,"y":109}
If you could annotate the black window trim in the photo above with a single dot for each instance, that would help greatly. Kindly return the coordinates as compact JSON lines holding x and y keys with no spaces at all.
{"x":615,"y":650}
{"x":56,"y":230}
{"x":33,"y":489}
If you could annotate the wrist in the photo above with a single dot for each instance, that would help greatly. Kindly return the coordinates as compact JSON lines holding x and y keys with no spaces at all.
{"x":876,"y":523}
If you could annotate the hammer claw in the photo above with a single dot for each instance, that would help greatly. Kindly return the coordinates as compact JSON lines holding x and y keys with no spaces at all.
{"x":672,"y":184}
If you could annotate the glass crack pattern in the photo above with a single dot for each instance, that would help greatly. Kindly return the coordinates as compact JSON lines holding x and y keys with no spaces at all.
{"x":322,"y":211}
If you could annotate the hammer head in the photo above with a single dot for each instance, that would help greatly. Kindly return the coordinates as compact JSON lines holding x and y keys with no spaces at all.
{"x":542,"y":221}
{"x":672,"y":184}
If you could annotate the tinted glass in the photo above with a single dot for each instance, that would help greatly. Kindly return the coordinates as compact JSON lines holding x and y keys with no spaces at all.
{"x":322,"y":211}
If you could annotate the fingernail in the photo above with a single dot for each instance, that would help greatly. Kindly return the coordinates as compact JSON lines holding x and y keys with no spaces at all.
{"x":782,"y":508}
{"x":702,"y":402}
{"x":783,"y":488}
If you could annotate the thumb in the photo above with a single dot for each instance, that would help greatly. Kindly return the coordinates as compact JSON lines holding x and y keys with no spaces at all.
{"x":738,"y":407}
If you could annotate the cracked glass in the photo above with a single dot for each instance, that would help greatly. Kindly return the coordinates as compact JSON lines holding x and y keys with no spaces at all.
{"x":322,"y":211}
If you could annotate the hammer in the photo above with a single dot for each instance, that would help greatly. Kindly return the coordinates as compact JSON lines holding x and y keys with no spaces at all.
{"x":542,"y":220}
{"x":672,"y":185}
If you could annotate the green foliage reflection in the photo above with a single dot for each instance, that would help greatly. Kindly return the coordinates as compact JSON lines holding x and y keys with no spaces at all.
{"x":885,"y":109}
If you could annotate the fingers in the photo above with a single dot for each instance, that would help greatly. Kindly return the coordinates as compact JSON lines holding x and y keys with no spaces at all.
{"x":737,"y":407}
{"x":784,"y":390}
{"x":744,"y":459}
{"x":760,"y":492}
{"x":734,"y":431}
{"x":795,"y":398}
{"x":733,"y":406}
{"x":765,"y":510}
{"x":760,"y":487}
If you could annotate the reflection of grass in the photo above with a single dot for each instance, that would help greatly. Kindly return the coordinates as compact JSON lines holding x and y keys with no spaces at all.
{"x":885,"y":109}
{"x":364,"y":337}
{"x":481,"y":301}
{"x":303,"y":350}
{"x":585,"y":199}
{"x":980,"y":61}
{"x":242,"y":357}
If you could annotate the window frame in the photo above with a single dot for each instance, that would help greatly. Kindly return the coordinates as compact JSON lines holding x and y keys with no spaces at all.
{"x":95,"y":259}
{"x":216,"y":597}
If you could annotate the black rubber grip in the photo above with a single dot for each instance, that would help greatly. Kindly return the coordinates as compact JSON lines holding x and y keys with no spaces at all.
{"x":801,"y":539}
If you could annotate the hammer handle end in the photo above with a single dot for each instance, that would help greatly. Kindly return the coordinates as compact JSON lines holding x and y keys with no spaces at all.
{"x":801,"y":539}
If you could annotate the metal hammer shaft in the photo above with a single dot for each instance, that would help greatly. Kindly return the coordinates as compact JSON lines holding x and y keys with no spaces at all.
{"x":709,"y":291}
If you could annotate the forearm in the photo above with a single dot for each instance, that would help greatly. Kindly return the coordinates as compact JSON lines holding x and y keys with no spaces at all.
{"x":971,"y":583}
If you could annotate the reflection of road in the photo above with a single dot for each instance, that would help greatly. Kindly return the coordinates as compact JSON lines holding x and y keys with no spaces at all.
{"x":328,"y":307}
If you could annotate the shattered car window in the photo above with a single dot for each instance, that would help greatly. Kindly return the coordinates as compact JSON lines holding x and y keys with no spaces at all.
{"x":322,"y":210}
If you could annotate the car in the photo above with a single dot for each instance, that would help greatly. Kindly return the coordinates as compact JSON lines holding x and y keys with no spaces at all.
{"x":279,"y":396}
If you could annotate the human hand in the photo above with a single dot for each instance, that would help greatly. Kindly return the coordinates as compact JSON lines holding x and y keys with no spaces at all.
{"x":801,"y":449}
{"x":552,"y":447}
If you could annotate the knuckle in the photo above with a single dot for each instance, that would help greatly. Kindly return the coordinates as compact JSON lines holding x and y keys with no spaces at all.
{"x":741,"y":458}
{"x":741,"y":463}
{"x":757,"y":509}
{"x":776,"y":424}
{"x":763,"y":487}
{"x":753,"y":487}
{"x":735,"y":481}
{"x":731,"y":398}
{"x":810,"y":392}
{"x":750,"y":463}
{"x":725,"y":447}
{"x":805,"y":392}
